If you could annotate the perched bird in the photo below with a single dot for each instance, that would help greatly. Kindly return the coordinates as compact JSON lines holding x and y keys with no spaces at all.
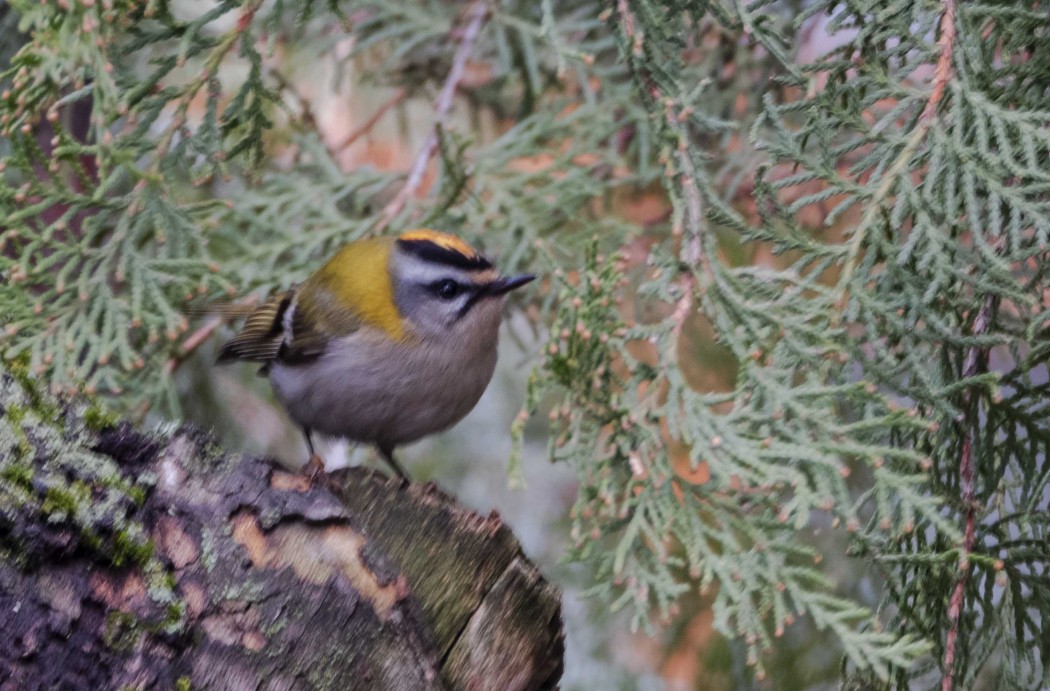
{"x":392,"y":340}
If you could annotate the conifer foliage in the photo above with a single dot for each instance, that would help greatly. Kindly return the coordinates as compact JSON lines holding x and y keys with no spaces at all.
{"x":889,"y":160}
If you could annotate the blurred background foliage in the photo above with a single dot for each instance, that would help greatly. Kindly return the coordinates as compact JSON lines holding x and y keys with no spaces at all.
{"x":788,"y":353}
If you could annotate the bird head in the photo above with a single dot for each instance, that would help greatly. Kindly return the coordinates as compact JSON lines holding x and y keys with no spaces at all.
{"x":445,"y":288}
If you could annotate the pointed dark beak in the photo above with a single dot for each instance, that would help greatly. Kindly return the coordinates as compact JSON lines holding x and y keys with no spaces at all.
{"x":506,"y":284}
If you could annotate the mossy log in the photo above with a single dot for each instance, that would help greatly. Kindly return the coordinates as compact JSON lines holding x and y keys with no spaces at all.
{"x":137,"y":561}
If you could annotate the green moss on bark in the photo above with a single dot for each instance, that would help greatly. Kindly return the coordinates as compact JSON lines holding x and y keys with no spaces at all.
{"x":97,"y":418}
{"x":54,"y":481}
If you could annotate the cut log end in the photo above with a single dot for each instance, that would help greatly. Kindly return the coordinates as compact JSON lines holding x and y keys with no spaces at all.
{"x":131,"y":561}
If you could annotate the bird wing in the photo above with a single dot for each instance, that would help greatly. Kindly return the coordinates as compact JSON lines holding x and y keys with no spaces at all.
{"x":263,"y":333}
{"x":279,"y":329}
{"x":306,"y":340}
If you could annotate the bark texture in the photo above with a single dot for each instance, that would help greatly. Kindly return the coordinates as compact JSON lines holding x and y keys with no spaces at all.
{"x":130,"y":561}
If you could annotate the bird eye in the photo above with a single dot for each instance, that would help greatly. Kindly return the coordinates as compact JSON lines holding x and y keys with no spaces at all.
{"x":447,"y":289}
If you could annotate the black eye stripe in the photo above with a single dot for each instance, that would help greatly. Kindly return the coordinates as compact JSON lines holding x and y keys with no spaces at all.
{"x":447,"y":289}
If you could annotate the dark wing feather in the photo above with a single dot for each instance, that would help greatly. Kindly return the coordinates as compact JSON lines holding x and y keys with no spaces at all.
{"x":262,"y":335}
{"x":264,"y":338}
{"x":307,"y":342}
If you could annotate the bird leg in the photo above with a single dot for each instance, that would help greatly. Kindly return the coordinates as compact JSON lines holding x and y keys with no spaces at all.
{"x":387,"y":452}
{"x":314,"y":466}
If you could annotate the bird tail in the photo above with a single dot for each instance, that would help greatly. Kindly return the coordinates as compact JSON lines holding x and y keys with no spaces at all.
{"x":227,"y":311}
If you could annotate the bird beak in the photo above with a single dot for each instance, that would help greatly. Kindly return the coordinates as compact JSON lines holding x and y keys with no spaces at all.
{"x":506,"y":284}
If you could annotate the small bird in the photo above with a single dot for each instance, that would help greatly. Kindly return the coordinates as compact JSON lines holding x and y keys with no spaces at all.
{"x":393,"y":339}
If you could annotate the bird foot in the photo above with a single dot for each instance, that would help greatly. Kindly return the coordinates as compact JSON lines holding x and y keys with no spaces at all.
{"x":388,"y":455}
{"x":314,"y":467}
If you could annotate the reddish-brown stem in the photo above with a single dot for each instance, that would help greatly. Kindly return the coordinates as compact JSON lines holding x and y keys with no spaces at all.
{"x":191,"y":344}
{"x":942,"y":73}
{"x":236,"y":310}
{"x":368,"y":124}
{"x":974,"y":364}
{"x":683,"y":306}
{"x":210,"y":69}
{"x":476,"y":14}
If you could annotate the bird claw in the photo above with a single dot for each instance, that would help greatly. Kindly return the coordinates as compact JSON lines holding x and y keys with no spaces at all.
{"x":314,"y":467}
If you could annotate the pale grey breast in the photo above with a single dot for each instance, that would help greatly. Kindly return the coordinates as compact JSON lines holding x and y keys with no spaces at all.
{"x":369,"y":389}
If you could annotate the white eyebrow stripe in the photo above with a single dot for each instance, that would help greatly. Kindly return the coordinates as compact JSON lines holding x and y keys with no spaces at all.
{"x":419,"y":271}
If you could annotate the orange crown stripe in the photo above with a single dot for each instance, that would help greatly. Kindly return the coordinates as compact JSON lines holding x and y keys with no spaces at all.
{"x":444,"y":240}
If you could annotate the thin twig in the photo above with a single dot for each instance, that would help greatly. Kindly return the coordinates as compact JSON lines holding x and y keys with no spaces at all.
{"x":682,"y":308}
{"x":192,"y":342}
{"x":238,"y":309}
{"x":307,"y":113}
{"x":974,"y":364}
{"x":477,"y":12}
{"x":368,"y":124}
{"x":942,"y":73}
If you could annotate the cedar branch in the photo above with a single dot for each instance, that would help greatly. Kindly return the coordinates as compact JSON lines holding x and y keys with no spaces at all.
{"x":974,"y":364}
{"x":942,"y":74}
{"x":693,"y":250}
{"x":477,"y":13}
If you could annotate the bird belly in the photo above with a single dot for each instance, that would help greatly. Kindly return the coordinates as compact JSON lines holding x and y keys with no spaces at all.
{"x":368,"y":390}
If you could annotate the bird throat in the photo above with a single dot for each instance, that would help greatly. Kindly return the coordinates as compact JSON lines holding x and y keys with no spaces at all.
{"x":358,"y":276}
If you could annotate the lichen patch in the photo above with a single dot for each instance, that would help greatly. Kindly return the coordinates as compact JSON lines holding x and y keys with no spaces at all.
{"x":172,"y":474}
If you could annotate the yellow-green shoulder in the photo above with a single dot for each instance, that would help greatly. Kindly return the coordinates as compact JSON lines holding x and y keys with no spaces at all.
{"x":353,"y":288}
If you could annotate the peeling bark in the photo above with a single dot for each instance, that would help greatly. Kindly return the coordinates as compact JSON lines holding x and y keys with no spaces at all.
{"x":133,"y":562}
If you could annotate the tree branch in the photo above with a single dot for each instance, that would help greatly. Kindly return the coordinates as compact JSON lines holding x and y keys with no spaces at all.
{"x":942,"y":73}
{"x":976,"y":362}
{"x":692,"y":252}
{"x":477,"y":12}
{"x":191,"y":344}
{"x":368,"y":124}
